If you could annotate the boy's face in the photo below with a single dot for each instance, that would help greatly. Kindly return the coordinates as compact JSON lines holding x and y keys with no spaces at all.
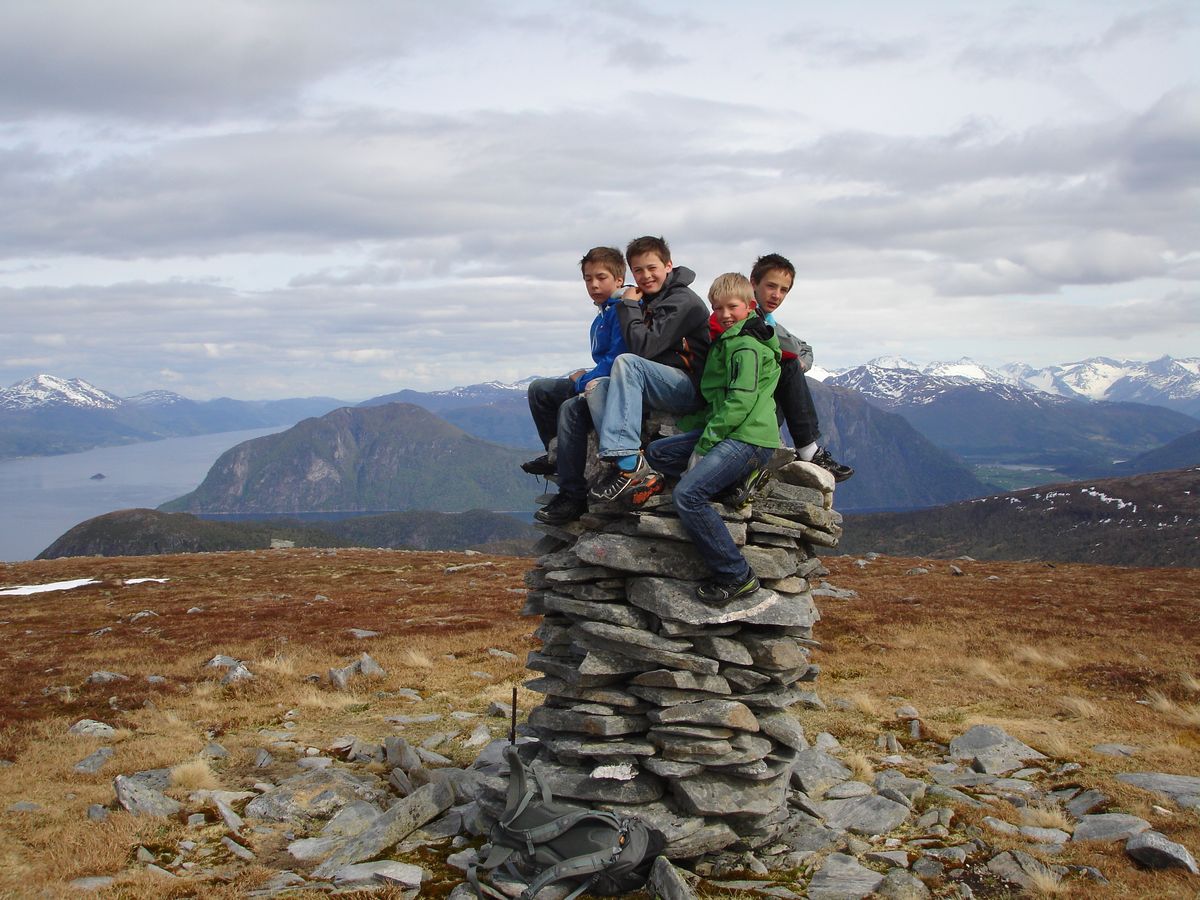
{"x":730,"y":310}
{"x":599,"y":281}
{"x":770,"y":291}
{"x":649,"y":272}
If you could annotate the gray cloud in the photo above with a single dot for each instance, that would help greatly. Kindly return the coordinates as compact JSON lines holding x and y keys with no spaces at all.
{"x":185,"y":61}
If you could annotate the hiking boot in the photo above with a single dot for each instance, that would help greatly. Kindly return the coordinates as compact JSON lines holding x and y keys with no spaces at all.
{"x":721,"y":592}
{"x":615,"y":485}
{"x":540,"y":466}
{"x":739,"y":494}
{"x":839,"y":471}
{"x":561,"y":510}
{"x":648,"y":487}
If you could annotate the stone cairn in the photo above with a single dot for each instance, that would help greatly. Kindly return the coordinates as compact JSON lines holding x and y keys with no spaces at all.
{"x":661,"y":707}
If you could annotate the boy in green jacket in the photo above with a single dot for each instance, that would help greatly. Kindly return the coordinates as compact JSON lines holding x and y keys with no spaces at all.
{"x":734,"y":435}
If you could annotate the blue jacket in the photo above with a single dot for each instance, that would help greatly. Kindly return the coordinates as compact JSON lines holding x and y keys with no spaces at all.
{"x":607,"y":342}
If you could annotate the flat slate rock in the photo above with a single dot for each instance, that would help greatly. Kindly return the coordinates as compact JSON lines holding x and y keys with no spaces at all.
{"x":402,"y":819}
{"x":783,"y":728}
{"x":720,"y":713}
{"x":815,"y":771}
{"x":1183,"y":789}
{"x":712,"y":794}
{"x":651,"y":556}
{"x":686,"y":681}
{"x":1109,"y":827}
{"x":588,"y":610}
{"x":712,"y":838}
{"x":992,"y":750}
{"x":314,"y":794}
{"x":868,"y":815}
{"x":842,"y":877}
{"x":1155,"y":851}
{"x":141,"y":800}
{"x":671,"y":598}
{"x":384,"y":871}
{"x":1022,"y":869}
{"x":667,"y":882}
{"x":565,"y":781}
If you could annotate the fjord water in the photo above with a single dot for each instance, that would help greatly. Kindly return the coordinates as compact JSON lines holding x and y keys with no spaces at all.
{"x":42,"y":497}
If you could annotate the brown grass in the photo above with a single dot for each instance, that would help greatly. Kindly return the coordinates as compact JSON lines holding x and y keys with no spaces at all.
{"x":1060,"y":657}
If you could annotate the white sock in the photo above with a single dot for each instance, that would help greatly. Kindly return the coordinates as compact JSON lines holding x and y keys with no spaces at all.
{"x":807,"y":453}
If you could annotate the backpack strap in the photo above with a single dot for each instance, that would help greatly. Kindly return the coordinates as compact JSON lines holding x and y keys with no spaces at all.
{"x":592,"y":864}
{"x":548,"y":831}
{"x":495,"y":858}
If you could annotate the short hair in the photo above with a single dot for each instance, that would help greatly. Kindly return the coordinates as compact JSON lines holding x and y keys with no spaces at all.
{"x":608,"y":257}
{"x":731,"y":284}
{"x":648,"y":244}
{"x":765,"y":264}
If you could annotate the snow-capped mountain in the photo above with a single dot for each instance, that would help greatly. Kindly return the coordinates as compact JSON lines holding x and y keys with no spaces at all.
{"x":891,"y":388}
{"x":45,"y":391}
{"x":156,"y":398}
{"x":1173,"y":383}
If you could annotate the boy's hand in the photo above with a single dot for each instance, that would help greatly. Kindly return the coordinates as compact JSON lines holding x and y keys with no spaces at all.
{"x":577,"y":374}
{"x":632,"y":293}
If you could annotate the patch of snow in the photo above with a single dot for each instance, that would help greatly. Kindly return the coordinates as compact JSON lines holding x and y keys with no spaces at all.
{"x":27,"y":589}
{"x":144,"y":580}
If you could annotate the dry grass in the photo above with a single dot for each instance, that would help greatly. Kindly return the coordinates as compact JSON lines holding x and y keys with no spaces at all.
{"x":1049,"y":884}
{"x":987,"y":671}
{"x":1041,"y":816}
{"x":860,"y":765}
{"x":1035,"y":656}
{"x":194,"y":775}
{"x":1077,"y":708}
{"x":865,"y":704}
{"x":1058,"y":657}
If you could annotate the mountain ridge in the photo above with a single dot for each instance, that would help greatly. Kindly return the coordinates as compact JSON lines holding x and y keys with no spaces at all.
{"x":396,"y":456}
{"x":1139,"y":520}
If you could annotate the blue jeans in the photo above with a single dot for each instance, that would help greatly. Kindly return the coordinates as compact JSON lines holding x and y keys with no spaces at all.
{"x":559,"y":412}
{"x":635,"y":382}
{"x":723,"y":466}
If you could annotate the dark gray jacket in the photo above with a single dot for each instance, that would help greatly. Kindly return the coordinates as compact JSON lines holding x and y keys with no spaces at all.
{"x":670,"y":327}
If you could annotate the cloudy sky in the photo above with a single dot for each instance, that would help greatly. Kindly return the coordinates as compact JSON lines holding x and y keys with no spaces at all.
{"x":271,"y":198}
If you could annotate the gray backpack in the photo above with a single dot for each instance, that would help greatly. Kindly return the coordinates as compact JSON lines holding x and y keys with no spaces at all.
{"x":542,"y":841}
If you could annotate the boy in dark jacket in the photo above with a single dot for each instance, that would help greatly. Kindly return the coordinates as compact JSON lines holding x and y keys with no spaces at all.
{"x":564,"y":407}
{"x":772,"y":278}
{"x":734,"y":435}
{"x":665,"y":326}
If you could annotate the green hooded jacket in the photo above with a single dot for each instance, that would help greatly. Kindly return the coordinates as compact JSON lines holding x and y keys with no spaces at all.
{"x":738,"y":386}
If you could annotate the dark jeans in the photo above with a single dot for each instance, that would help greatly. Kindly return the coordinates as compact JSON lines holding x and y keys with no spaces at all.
{"x":794,"y":404}
{"x":724,"y":465}
{"x":559,"y":412}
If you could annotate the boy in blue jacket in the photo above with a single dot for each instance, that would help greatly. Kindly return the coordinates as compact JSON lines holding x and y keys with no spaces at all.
{"x":571,"y":406}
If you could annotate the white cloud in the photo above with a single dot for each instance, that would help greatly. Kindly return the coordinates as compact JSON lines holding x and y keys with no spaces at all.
{"x":346,"y":199}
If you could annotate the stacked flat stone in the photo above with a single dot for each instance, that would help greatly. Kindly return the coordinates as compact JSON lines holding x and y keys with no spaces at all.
{"x":662,"y":707}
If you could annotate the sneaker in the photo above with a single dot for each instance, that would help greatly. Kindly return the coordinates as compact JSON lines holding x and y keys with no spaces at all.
{"x":722,"y":592}
{"x":739,"y":494}
{"x":561,"y":510}
{"x":839,"y":471}
{"x":540,"y":466}
{"x":648,"y":487}
{"x":616,"y":484}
